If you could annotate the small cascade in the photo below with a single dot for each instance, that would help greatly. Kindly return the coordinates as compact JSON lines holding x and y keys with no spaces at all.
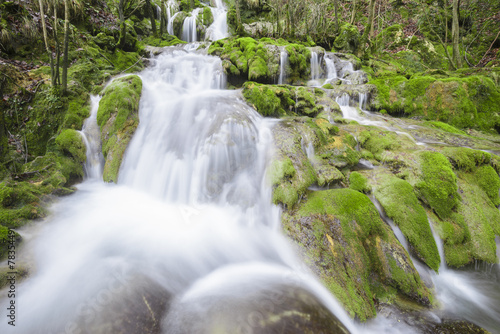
{"x":92,"y":137}
{"x":331,"y":70}
{"x":314,"y":66}
{"x":218,"y":29}
{"x":307,"y":147}
{"x":283,"y":64}
{"x":170,"y":23}
{"x":363,"y":99}
{"x":158,"y":12}
{"x":349,"y":112}
{"x":397,"y":231}
{"x":189,"y":33}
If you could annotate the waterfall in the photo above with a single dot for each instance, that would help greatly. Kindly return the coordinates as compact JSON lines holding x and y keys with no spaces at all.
{"x":218,"y":28}
{"x":190,"y":226}
{"x":331,"y":71}
{"x":170,"y":23}
{"x":283,"y":64}
{"x":189,"y":33}
{"x":158,"y":12}
{"x":472,"y":295}
{"x":314,"y":66}
{"x":92,"y":137}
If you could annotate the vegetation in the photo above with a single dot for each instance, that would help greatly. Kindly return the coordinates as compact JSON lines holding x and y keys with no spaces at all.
{"x":433,"y":63}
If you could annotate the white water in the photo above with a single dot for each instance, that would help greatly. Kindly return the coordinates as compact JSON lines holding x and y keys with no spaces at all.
{"x":349,"y":112}
{"x":314,"y":66}
{"x":189,"y":33}
{"x":92,"y":137}
{"x":471,"y":295}
{"x":331,"y":70}
{"x":190,"y":221}
{"x":170,"y":23}
{"x":218,"y":28}
{"x":283,"y":64}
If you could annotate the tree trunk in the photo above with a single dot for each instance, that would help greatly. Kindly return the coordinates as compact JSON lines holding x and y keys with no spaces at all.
{"x":44,"y":28}
{"x":353,"y":15}
{"x":239,"y":26}
{"x":162,"y":17}
{"x":58,"y":51}
{"x":455,"y":35}
{"x":372,"y":19}
{"x":66,"y":41}
{"x":336,"y":7}
{"x":368,"y":28}
{"x":151,"y":14}
{"x":123,"y":27}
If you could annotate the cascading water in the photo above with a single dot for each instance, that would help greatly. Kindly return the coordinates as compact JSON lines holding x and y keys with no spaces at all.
{"x":92,"y":138}
{"x":218,"y":28}
{"x":471,"y":295}
{"x":283,"y":64}
{"x":170,"y":22}
{"x":188,"y":233}
{"x":314,"y":66}
{"x":189,"y":32}
{"x":331,"y":70}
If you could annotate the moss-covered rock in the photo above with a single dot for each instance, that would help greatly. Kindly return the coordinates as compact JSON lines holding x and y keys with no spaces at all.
{"x":348,"y":39}
{"x":401,"y":204}
{"x":259,"y":60}
{"x":344,"y":241}
{"x":435,"y":183}
{"x":468,"y":102}
{"x":282,"y":100}
{"x":118,"y":118}
{"x":359,"y":182}
{"x":71,"y":142}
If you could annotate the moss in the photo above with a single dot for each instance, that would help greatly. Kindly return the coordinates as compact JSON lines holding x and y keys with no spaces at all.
{"x":208,"y":18}
{"x":344,"y":241}
{"x":117,"y":117}
{"x":488,"y":179}
{"x":162,"y":42}
{"x":71,"y":142}
{"x":467,"y":102}
{"x":348,"y":39}
{"x":270,"y":100}
{"x":445,"y":127}
{"x":359,"y":182}
{"x":78,"y":110}
{"x":5,"y":274}
{"x":401,"y":204}
{"x":376,"y":141}
{"x":466,"y":158}
{"x":436,"y":184}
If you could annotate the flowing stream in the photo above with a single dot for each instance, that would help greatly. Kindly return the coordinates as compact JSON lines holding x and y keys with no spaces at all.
{"x":189,"y":231}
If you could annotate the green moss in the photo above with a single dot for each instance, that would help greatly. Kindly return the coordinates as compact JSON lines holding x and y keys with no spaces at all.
{"x":348,"y":39}
{"x":400,"y":204}
{"x":162,"y":42}
{"x":436,"y":184}
{"x":359,"y":182}
{"x":445,"y":127}
{"x":376,"y":141}
{"x":71,"y":142}
{"x":466,"y":158}
{"x":467,"y":102}
{"x":117,"y":117}
{"x":488,"y":179}
{"x":342,"y":226}
{"x":208,"y":18}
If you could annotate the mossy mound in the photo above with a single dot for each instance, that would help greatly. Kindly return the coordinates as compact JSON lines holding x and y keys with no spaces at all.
{"x":282,"y":100}
{"x":359,"y":182}
{"x":401,"y":204}
{"x":469,"y":234}
{"x":468,"y":102}
{"x":344,"y":241}
{"x":377,"y":141}
{"x":71,"y":142}
{"x":435,"y":183}
{"x":290,"y":172}
{"x":348,"y":39}
{"x":118,"y":118}
{"x":259,"y":60}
